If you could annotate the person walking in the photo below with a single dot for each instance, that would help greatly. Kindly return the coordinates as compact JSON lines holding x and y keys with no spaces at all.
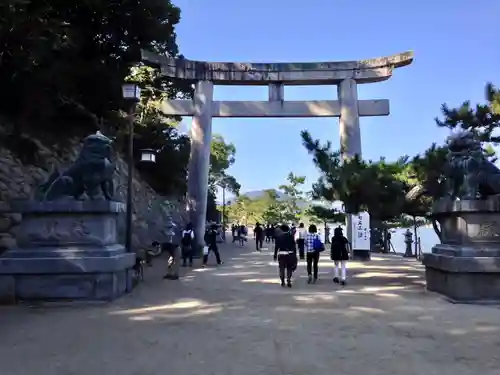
{"x":242,"y":235}
{"x":268,"y":233}
{"x":285,"y":253}
{"x":234,"y":232}
{"x":187,"y":245}
{"x":301,"y":238}
{"x":211,"y":242}
{"x":273,"y":229}
{"x":313,"y":247}
{"x":340,"y":255}
{"x":259,"y":236}
{"x":174,"y":253}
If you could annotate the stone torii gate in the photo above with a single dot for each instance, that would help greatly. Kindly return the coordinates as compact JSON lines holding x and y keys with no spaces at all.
{"x":345,"y":74}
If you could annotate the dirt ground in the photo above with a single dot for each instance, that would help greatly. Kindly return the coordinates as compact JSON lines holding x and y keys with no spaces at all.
{"x":236,"y":319}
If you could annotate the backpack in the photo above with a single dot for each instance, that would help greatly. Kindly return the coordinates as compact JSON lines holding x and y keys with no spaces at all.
{"x":318,"y":245}
{"x":186,"y":238}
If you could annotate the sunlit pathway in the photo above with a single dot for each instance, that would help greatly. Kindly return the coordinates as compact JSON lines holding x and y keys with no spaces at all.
{"x":237,"y":320}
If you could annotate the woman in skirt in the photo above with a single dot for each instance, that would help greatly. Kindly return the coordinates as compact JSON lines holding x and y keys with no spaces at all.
{"x":340,"y":255}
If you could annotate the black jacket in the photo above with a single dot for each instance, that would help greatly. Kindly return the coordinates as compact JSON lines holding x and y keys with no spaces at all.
{"x":211,"y":238}
{"x":285,"y":242}
{"x":258,"y":232}
{"x":339,"y":249}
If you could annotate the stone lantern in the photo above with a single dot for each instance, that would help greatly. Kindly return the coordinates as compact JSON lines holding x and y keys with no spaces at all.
{"x":408,"y":242}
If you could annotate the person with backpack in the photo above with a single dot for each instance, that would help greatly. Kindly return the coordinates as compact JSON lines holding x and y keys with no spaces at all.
{"x":187,"y":245}
{"x":259,"y":236}
{"x":313,"y":247}
{"x":285,"y":253}
{"x":211,"y":242}
{"x":340,"y":255}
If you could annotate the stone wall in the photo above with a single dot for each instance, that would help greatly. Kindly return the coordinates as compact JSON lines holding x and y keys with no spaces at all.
{"x":20,"y":180}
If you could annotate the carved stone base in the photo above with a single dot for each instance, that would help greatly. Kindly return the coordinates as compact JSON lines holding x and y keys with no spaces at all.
{"x":464,"y":279}
{"x":465,"y":267}
{"x":67,"y":250}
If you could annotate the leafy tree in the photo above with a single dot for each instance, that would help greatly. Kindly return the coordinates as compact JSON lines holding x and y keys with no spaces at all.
{"x":378,"y":187}
{"x":222,"y":156}
{"x":321,"y":214}
{"x":242,"y":210}
{"x":65,"y":62}
{"x":482,"y":120}
{"x":229,"y":183}
{"x":168,"y":175}
{"x":429,"y":168}
{"x":292,"y":196}
{"x":325,"y":215}
{"x":62,"y":66}
{"x":274,"y":212}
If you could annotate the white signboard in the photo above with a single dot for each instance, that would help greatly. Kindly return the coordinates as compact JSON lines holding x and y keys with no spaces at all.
{"x":361,"y":231}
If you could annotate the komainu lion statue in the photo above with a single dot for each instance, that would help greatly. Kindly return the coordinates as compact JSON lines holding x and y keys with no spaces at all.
{"x":470,"y":174}
{"x":90,"y":174}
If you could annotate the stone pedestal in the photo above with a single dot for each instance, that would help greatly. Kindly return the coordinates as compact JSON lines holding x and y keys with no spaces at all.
{"x":67,"y":250}
{"x":361,"y":255}
{"x":465,"y":267}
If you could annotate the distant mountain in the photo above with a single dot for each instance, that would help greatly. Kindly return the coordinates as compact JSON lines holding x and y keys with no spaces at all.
{"x":254,"y":194}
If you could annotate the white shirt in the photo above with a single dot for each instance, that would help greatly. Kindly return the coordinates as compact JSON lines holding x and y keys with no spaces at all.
{"x":301,"y":233}
{"x":184,"y":232}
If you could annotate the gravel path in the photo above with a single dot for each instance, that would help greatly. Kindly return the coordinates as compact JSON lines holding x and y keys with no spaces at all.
{"x":236,"y":320}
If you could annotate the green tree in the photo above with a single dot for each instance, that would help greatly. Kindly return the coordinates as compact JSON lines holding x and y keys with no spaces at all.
{"x":377,"y":187}
{"x":168,"y":175}
{"x":62,"y":66}
{"x":428,"y":169}
{"x":241,"y":210}
{"x":325,"y":215}
{"x":482,"y":120}
{"x":291,"y":199}
{"x":222,"y":156}
{"x":63,"y":63}
{"x":273,"y":213}
{"x":322,"y":215}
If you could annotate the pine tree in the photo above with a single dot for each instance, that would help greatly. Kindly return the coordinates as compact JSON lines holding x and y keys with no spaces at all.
{"x":482,"y":120}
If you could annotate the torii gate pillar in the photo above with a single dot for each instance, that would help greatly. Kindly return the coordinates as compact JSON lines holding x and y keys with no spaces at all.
{"x":350,"y":132}
{"x":199,"y":160}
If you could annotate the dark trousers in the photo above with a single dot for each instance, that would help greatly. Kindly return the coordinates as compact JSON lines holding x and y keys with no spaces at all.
{"x":215,"y":250}
{"x":187,"y":253}
{"x":285,"y":262}
{"x":258,"y":242}
{"x":300,"y":245}
{"x":312,"y":263}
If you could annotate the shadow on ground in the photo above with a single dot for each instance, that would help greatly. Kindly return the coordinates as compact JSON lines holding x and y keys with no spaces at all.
{"x":236,"y":318}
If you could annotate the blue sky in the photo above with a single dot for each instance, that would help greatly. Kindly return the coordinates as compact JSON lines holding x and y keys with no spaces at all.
{"x":456,"y":46}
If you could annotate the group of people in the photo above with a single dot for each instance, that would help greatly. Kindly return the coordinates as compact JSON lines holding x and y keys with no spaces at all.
{"x":187,"y":249}
{"x":310,"y":247}
{"x":239,"y":233}
{"x":290,"y":244}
